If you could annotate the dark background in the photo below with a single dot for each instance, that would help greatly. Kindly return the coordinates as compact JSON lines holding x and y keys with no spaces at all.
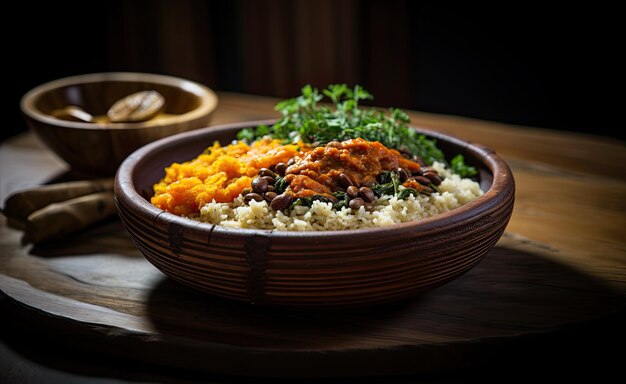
{"x":521,"y":64}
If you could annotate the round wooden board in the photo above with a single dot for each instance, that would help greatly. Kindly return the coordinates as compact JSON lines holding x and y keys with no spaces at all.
{"x":561,"y":263}
{"x":103,"y":290}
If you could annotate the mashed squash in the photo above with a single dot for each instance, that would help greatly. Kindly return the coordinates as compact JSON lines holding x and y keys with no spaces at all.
{"x":218,"y":175}
{"x":210,"y":188}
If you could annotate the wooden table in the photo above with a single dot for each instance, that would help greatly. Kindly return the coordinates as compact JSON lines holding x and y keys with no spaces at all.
{"x":555,"y":285}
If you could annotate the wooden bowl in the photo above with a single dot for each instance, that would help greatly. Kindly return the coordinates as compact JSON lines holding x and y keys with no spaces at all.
{"x":99,"y":148}
{"x":311,"y":269}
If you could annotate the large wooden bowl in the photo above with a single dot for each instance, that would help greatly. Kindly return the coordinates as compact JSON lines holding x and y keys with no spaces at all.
{"x":311,"y":269}
{"x":100,"y":148}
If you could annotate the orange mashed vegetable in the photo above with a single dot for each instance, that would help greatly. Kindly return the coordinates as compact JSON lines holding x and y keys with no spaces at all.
{"x":219,"y":174}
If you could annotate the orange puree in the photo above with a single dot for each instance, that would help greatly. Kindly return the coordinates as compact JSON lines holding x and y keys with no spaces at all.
{"x":219,"y":174}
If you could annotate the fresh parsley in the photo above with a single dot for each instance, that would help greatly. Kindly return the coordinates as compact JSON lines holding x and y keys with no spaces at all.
{"x":304,"y":119}
{"x":457,"y":165}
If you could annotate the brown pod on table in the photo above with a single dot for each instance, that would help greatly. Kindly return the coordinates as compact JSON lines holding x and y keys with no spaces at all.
{"x":69,"y":216}
{"x":21,"y":204}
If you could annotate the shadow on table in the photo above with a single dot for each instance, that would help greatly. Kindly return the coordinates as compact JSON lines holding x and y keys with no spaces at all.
{"x":510,"y":297}
{"x":108,"y":236}
{"x":515,"y":313}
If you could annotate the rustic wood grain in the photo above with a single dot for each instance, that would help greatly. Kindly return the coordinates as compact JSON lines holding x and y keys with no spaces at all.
{"x":562,"y":261}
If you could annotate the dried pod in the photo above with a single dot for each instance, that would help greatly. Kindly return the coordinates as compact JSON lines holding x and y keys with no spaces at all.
{"x":70,"y":216}
{"x":21,"y":204}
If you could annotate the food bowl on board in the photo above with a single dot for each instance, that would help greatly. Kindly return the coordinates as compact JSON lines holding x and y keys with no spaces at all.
{"x":312,"y":268}
{"x":99,"y":145}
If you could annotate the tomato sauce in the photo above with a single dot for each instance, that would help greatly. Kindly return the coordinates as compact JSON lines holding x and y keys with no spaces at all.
{"x":317,"y":172}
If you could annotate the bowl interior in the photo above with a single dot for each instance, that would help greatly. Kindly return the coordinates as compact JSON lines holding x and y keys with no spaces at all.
{"x":186,"y":103}
{"x":154,"y":158}
{"x":97,"y":97}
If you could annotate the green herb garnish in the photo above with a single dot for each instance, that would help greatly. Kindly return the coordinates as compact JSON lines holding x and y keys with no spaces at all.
{"x":303,"y":118}
{"x":457,"y":165}
{"x":406,"y":192}
{"x":343,"y":200}
{"x":308,"y":201}
{"x":280,"y":185}
{"x":389,"y":184}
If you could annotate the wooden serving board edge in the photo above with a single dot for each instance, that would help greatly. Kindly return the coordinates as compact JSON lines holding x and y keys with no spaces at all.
{"x":130,"y":337}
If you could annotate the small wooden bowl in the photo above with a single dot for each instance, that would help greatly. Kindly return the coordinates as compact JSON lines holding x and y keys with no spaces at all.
{"x":99,"y":148}
{"x":311,"y":269}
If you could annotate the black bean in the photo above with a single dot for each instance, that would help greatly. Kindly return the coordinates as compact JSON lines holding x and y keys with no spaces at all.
{"x":369,"y":206}
{"x":403,"y":174}
{"x":281,"y":201}
{"x":429,"y":169}
{"x":368,"y":181}
{"x":405,"y":153}
{"x":252,"y":196}
{"x":259,"y":185}
{"x":419,"y":160}
{"x":426,"y":189}
{"x":266,"y":172}
{"x":433,"y":177}
{"x":270,"y":179}
{"x":352,"y":191}
{"x":422,"y":180}
{"x":270,"y":188}
{"x":280,"y":168}
{"x":419,"y":172}
{"x":246,"y":190}
{"x":344,"y":181}
{"x":356,"y":203}
{"x":367,"y":194}
{"x":269,"y":196}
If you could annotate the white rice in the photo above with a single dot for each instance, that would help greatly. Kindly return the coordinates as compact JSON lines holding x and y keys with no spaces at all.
{"x":388,"y":210}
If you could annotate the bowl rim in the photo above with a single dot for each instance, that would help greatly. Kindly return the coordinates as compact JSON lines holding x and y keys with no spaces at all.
{"x":208,"y":99}
{"x":503,"y":184}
